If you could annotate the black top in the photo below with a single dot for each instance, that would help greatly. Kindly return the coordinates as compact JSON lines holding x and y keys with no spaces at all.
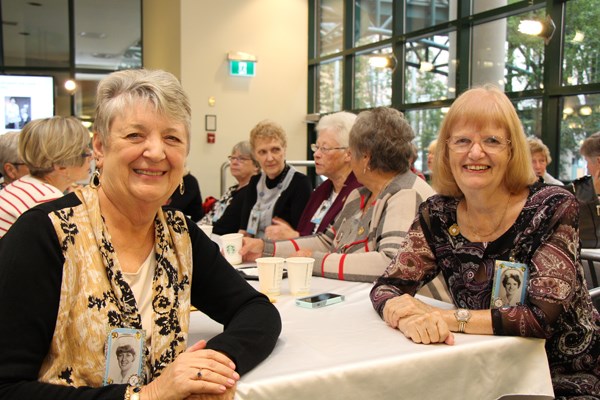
{"x":190,"y":202}
{"x":31,"y":267}
{"x":289,"y":205}
{"x":230,"y":221}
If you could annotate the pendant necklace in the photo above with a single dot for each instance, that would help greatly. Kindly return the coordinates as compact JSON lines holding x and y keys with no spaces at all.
{"x":484,"y":235}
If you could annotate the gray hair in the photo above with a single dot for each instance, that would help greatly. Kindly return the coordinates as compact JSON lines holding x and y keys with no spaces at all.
{"x":122,"y":89}
{"x":340,"y":124}
{"x":9,"y":153}
{"x":57,"y":141}
{"x":591,"y":146}
{"x":384,"y":134}
{"x":245,"y":149}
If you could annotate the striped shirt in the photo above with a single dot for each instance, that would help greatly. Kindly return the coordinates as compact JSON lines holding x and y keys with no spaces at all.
{"x":20,"y":196}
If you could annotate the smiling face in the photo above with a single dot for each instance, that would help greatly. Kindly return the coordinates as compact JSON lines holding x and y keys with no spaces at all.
{"x":125,"y":360}
{"x":144,"y":158}
{"x":511,"y":286}
{"x":331,"y":162}
{"x":270,"y":154}
{"x":477,"y":169}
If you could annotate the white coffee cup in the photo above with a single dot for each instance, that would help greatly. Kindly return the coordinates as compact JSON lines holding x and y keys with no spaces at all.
{"x":270,"y":274}
{"x":231,"y":245}
{"x":299,"y":271}
{"x":207,"y":229}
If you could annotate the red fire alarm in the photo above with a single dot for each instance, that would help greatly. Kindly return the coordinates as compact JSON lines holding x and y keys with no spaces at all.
{"x":210,"y":137}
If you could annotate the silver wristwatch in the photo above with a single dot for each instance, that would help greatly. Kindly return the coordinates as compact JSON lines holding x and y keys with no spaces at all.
{"x":462,"y":316}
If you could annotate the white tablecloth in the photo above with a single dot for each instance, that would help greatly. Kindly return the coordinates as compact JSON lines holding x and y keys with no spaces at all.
{"x":345,"y":351}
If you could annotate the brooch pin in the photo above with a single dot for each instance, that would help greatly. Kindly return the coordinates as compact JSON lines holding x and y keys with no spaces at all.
{"x":454,"y":230}
{"x":361,"y":230}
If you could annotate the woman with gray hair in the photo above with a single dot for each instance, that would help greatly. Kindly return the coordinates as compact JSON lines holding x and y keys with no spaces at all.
{"x":367,"y":233}
{"x":225,"y":214}
{"x":56,"y":152}
{"x":108,"y":261}
{"x":12,"y":166}
{"x":332,"y":160}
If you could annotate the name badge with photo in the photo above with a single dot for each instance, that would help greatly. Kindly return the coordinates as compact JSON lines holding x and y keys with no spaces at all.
{"x":321,"y":211}
{"x":252,"y":227}
{"x":125,"y":357}
{"x":510,"y":284}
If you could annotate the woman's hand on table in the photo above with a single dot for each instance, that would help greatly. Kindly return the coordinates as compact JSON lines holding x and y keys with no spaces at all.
{"x":181,"y":379}
{"x":251,"y":249}
{"x":228,"y":395}
{"x":418,"y":321}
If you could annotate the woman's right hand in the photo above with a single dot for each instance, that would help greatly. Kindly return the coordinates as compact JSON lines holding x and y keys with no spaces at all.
{"x":180,"y":379}
{"x":251,"y":249}
{"x":418,"y":321}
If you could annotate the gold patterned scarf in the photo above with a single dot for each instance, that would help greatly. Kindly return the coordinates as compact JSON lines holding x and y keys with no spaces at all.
{"x":95,"y":298}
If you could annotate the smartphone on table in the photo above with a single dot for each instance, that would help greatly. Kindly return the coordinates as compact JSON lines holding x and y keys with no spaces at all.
{"x":319,"y":300}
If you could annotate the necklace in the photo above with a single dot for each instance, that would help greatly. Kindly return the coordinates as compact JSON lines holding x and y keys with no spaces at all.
{"x":484,"y":235}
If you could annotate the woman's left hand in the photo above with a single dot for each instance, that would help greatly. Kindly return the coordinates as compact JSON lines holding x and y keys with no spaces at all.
{"x":418,"y":321}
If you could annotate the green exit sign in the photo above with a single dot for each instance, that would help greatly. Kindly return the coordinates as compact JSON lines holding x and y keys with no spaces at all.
{"x":242,"y":68}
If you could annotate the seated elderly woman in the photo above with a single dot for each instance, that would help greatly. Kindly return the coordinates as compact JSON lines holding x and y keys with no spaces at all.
{"x":57,"y":153}
{"x":279,"y":191}
{"x":368,"y":231}
{"x":332,"y":160}
{"x":491,"y":212}
{"x":12,"y":166}
{"x":225,"y":214}
{"x":106,"y":264}
{"x":590,"y":150}
{"x":540,"y":158}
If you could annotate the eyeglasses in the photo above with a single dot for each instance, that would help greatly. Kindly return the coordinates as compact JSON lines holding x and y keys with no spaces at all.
{"x":489,"y":144}
{"x":16,"y":164}
{"x":324,"y":149}
{"x":86,"y":154}
{"x":238,"y":159}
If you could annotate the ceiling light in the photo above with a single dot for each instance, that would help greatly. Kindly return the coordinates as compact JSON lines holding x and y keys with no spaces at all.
{"x":568,"y":110}
{"x":425,"y":66}
{"x":585,"y":111}
{"x":544,"y":29}
{"x":382,"y":61}
{"x":70,"y":85}
{"x":579,"y":36}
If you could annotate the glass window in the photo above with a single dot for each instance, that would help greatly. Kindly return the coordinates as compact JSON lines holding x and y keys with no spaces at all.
{"x":373,"y":83}
{"x":506,"y":57}
{"x":430,"y":71}
{"x":331,"y":22}
{"x":426,"y":124}
{"x":423,"y":14}
{"x":35,"y":33}
{"x":580,"y":118}
{"x":530,"y":114}
{"x":330,"y":86}
{"x":481,"y":6}
{"x":108,"y":34}
{"x":581,"y":60}
{"x":374,"y":21}
{"x":85,"y":96}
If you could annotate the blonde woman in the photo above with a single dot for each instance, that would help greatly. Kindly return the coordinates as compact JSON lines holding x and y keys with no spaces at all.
{"x":56,"y":151}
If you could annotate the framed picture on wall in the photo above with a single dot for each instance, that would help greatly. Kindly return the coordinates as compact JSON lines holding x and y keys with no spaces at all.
{"x":210,"y":123}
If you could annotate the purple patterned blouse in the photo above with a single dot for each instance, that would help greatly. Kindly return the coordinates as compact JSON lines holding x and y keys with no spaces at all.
{"x":557,"y":305}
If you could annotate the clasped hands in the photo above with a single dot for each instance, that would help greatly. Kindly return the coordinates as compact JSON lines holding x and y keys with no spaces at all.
{"x":181,"y":381}
{"x":418,"y":321}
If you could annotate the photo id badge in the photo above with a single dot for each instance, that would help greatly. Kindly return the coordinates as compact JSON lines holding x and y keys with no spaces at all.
{"x":252,"y":227}
{"x":321,"y":211}
{"x":125,"y":357}
{"x":510,"y":284}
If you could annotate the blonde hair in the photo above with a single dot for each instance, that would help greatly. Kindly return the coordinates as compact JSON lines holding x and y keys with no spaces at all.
{"x":482,"y":107}
{"x":122,"y":89}
{"x":537,"y":146}
{"x":49,"y":142}
{"x":267,"y":129}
